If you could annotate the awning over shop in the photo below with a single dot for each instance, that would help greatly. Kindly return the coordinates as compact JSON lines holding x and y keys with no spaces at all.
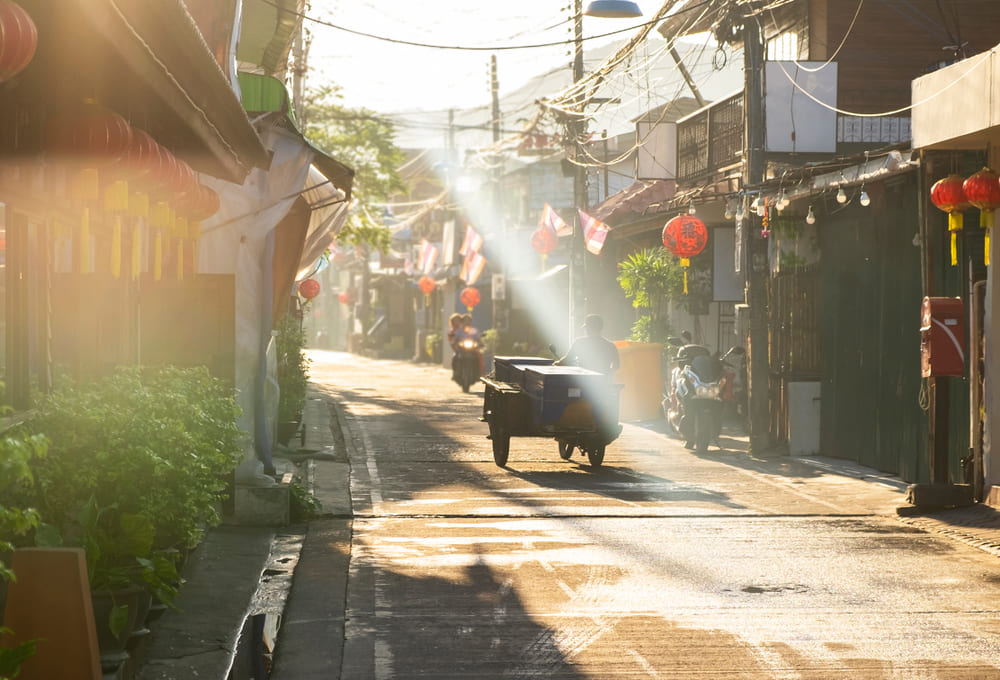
{"x":166,"y":82}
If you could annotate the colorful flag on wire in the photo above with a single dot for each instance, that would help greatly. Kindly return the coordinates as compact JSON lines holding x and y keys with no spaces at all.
{"x":428,"y":256}
{"x":552,"y":221}
{"x":472,"y":243}
{"x":472,"y":268}
{"x":594,"y":232}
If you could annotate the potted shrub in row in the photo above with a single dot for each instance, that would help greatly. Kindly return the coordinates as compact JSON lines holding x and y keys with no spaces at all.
{"x":136,"y":468}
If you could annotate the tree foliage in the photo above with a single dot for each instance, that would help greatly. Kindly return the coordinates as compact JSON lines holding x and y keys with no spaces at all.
{"x":362,"y":140}
{"x":651,"y":278}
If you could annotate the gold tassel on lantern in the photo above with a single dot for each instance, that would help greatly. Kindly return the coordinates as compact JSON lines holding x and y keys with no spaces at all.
{"x":158,"y":256}
{"x":116,"y":248}
{"x":954,"y":226}
{"x":180,"y":259}
{"x":685,"y":263}
{"x":85,"y":241}
{"x":135,"y":252}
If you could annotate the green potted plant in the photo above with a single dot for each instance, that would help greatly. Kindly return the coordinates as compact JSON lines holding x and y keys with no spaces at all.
{"x":293,"y":376}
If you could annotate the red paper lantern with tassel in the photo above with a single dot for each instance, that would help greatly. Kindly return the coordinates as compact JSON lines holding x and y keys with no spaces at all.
{"x":948,"y":195}
{"x":18,"y":39}
{"x":685,"y":236}
{"x":470,"y":297}
{"x":983,"y":191}
{"x":427,"y":286}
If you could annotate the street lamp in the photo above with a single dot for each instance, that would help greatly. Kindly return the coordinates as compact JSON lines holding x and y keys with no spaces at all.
{"x":577,"y":129}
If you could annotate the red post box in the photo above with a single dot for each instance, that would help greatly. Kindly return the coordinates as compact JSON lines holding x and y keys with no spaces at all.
{"x":942,"y":337}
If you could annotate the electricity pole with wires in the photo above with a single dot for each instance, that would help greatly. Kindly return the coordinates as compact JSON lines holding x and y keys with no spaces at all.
{"x":754,"y":244}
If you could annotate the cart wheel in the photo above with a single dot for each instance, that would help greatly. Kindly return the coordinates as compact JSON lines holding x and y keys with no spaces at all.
{"x":565,"y":450}
{"x":501,"y":446}
{"x":596,"y":455}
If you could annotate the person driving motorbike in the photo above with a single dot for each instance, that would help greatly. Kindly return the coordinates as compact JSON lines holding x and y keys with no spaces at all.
{"x":593,"y":350}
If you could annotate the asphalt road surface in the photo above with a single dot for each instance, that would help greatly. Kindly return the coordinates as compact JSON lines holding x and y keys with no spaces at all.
{"x":659,"y":564}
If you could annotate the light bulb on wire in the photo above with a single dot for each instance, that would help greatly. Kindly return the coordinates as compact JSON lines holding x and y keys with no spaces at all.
{"x":728,"y":212}
{"x":864,"y":199}
{"x":810,"y":216}
{"x":691,"y":208}
{"x":841,"y":195}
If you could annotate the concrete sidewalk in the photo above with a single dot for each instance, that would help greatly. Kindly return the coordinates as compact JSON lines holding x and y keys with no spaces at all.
{"x":247,"y":586}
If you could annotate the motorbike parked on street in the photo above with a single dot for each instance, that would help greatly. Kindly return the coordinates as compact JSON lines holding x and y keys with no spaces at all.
{"x":468,"y":362}
{"x":699,"y":387}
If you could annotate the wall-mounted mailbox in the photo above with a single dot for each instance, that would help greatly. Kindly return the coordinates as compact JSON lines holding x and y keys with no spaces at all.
{"x":942,"y":337}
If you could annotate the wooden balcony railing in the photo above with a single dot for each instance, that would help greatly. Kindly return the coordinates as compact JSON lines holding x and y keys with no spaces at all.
{"x":710,"y":139}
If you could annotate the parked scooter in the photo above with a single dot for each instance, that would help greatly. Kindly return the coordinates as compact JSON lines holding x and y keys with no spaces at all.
{"x":468,"y":362}
{"x":699,"y":386}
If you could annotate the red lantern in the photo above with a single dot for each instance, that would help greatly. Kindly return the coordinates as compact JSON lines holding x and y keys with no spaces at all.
{"x":470,"y":297}
{"x":345,"y":297}
{"x":983,"y":192}
{"x":544,"y":240}
{"x":18,"y":39}
{"x":427,"y":286}
{"x":309,"y":289}
{"x":948,"y":195}
{"x":685,"y":236}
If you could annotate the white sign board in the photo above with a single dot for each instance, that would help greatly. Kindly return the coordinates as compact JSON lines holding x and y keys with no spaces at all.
{"x":800,"y":101}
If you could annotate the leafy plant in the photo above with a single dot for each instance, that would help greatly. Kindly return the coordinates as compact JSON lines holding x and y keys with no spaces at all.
{"x":491,"y":340}
{"x":651,"y":278}
{"x":293,"y":369}
{"x":16,"y":455}
{"x":158,"y":443}
{"x":432,"y":345}
{"x":303,"y":503}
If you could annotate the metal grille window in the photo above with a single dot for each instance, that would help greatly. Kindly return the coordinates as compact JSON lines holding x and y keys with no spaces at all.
{"x":710,"y":139}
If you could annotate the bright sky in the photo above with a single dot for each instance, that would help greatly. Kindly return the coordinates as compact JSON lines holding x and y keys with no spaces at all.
{"x":388,"y":77}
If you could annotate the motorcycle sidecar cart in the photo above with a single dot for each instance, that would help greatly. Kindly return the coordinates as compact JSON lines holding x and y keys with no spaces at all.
{"x":530,"y":397}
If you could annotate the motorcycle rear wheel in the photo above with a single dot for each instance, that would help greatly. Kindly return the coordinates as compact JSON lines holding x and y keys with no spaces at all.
{"x":565,"y":450}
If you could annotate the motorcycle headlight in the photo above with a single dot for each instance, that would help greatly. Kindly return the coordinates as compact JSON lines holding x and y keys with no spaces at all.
{"x":711,"y":391}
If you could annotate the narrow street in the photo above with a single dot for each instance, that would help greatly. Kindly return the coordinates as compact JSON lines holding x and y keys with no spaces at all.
{"x":660,"y":564}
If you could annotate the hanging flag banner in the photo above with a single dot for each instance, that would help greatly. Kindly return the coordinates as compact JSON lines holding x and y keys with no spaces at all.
{"x":472,"y":243}
{"x":472,"y":268}
{"x":594,"y":232}
{"x":428,"y":256}
{"x":551,"y":220}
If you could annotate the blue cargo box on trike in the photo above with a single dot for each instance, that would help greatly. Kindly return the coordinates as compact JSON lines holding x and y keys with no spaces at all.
{"x":532,"y":397}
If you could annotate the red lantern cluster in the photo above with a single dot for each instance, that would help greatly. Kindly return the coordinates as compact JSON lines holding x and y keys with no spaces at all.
{"x":954,"y":195}
{"x":685,"y":236}
{"x":18,"y":39}
{"x":309,"y":288}
{"x":135,"y":175}
{"x":470,"y":297}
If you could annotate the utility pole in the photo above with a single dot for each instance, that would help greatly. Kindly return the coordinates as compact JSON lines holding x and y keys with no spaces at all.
{"x":755,"y":245}
{"x":298,"y":73}
{"x":577,"y":128}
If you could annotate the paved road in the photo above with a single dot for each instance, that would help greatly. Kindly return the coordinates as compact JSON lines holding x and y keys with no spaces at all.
{"x":660,"y":564}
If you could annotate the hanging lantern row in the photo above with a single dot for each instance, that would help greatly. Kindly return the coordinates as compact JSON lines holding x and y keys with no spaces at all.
{"x":124,"y":171}
{"x":685,"y":236}
{"x":18,"y":39}
{"x":955,"y":195}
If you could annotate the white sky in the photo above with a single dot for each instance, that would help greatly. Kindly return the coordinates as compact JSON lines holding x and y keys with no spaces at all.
{"x":385,"y":77}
